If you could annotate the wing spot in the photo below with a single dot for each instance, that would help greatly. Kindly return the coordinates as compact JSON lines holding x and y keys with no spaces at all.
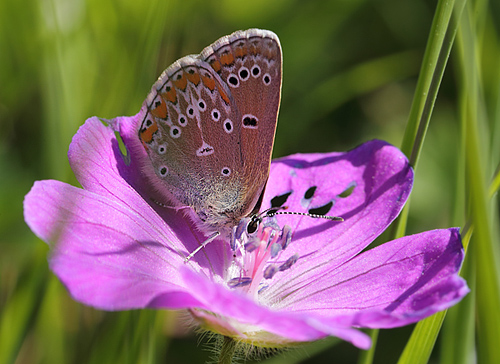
{"x":182,"y":120}
{"x":163,"y":170}
{"x":233,"y":80}
{"x":266,"y":79}
{"x":205,"y":150}
{"x":250,"y":121}
{"x":244,"y":73}
{"x":255,"y":71}
{"x":215,"y":115}
{"x":201,"y":105}
{"x":175,"y":132}
{"x":162,"y":149}
{"x":228,"y":126}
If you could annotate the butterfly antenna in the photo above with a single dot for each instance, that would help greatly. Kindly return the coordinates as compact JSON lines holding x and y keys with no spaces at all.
{"x":273,"y":211}
{"x":204,"y":244}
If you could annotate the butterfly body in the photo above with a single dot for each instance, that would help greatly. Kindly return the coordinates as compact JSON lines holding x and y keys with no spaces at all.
{"x":209,"y":129}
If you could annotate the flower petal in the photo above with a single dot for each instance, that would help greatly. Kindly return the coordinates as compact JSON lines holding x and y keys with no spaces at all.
{"x":395,"y":284}
{"x":108,"y":255}
{"x":289,"y":326}
{"x":98,"y":163}
{"x":367,"y":186}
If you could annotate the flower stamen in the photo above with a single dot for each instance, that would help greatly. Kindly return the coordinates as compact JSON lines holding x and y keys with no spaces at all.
{"x":260,"y":244}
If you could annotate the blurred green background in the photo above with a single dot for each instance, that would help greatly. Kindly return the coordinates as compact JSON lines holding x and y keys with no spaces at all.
{"x":349,"y":74}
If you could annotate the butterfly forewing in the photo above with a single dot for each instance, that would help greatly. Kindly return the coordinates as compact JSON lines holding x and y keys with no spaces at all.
{"x":209,"y":128}
{"x":250,"y":64}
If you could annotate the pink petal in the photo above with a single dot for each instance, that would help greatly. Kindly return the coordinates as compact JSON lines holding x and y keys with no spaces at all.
{"x":382,"y":180}
{"x":108,"y":255}
{"x":395,"y":284}
{"x":295,"y":327}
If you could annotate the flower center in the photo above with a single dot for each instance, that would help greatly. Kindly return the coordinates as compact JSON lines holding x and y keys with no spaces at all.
{"x":257,"y":247}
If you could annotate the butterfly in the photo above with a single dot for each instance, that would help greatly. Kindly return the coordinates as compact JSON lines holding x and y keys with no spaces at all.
{"x":209,"y":129}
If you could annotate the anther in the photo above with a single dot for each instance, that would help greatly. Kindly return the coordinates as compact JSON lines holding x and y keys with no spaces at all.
{"x":289,"y":262}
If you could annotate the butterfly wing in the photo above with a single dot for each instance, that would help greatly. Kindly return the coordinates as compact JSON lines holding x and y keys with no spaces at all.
{"x":250,"y":64}
{"x":209,"y":128}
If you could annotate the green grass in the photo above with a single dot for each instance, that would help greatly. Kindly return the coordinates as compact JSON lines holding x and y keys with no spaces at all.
{"x":415,"y":73}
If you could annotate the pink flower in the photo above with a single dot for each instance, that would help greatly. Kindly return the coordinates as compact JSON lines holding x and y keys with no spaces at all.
{"x":295,"y":279}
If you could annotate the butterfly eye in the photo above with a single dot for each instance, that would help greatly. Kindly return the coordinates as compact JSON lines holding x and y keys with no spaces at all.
{"x":266,"y":79}
{"x":233,"y":80}
{"x":255,"y":71}
{"x":253,"y":224}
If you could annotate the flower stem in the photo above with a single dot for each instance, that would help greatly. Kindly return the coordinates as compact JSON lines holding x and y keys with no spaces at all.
{"x":227,"y":351}
{"x":366,"y":357}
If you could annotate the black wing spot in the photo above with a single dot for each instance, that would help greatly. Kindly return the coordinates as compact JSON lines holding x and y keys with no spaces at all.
{"x":244,"y":73}
{"x":215,"y":115}
{"x":249,"y":121}
{"x":163,"y":171}
{"x":255,"y":71}
{"x":232,"y":80}
{"x":228,"y":126}
{"x":267,"y":79}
